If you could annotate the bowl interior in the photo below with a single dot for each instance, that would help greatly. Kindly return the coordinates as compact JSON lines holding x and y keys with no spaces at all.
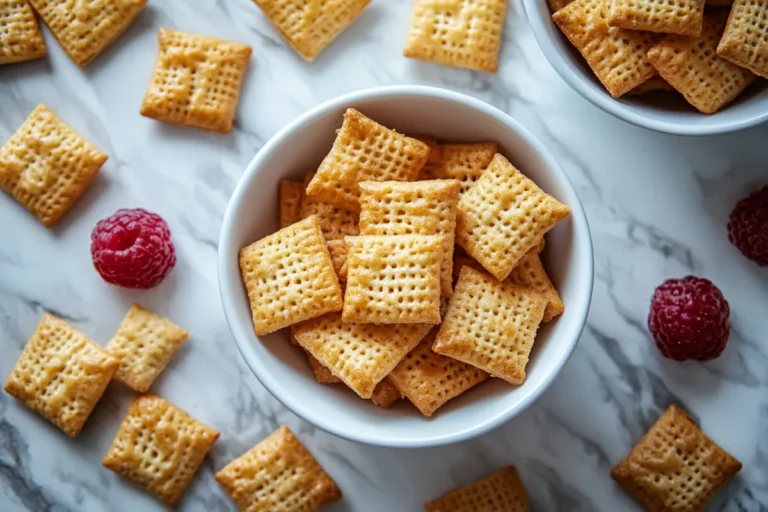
{"x":283,"y":369}
{"x":666,"y":112}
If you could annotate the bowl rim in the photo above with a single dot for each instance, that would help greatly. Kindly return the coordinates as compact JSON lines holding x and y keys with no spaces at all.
{"x":575,"y":78}
{"x":228,"y":297}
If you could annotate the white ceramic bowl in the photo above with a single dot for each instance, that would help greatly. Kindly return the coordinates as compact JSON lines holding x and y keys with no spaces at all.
{"x":663,"y":113}
{"x":283,"y":369}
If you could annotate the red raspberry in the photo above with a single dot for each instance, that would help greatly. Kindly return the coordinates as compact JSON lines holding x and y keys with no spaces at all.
{"x":748,"y":226}
{"x":132,"y":249}
{"x":689,"y":319}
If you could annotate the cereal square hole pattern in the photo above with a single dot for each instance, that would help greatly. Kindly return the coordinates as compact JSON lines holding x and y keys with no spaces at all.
{"x":745,"y":40}
{"x":20,"y":36}
{"x":682,"y":17}
{"x":61,"y":374}
{"x":463,"y":162}
{"x":336,"y":222}
{"x":502,"y":491}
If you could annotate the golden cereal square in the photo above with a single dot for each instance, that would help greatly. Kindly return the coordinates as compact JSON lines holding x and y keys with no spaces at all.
{"x":429,"y":379}
{"x":675,"y":467}
{"x":338,"y":251}
{"x":84,"y":28}
{"x":393,"y":279}
{"x":46,"y":166}
{"x":20,"y":37}
{"x":361,"y":355}
{"x":459,"y":33}
{"x":503,"y":216}
{"x":385,"y":394}
{"x":682,"y":17}
{"x":745,"y":40}
{"x":691,"y":65}
{"x":617,"y":57}
{"x":310,"y":25}
{"x":414,"y":208}
{"x":491,"y":325}
{"x":530,"y":273}
{"x":159,"y":447}
{"x":463,"y":162}
{"x":291,"y":193}
{"x":289,"y":277}
{"x":196,"y":81}
{"x":364,"y":150}
{"x":502,"y":491}
{"x":335,"y":222}
{"x":278,"y":474}
{"x":61,"y":374}
{"x":144,"y":344}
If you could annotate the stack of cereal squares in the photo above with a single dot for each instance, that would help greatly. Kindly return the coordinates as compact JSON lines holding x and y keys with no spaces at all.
{"x":362,"y":271}
{"x":638,"y":46}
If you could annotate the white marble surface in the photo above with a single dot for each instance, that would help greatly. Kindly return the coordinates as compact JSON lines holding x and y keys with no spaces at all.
{"x":657,"y":205}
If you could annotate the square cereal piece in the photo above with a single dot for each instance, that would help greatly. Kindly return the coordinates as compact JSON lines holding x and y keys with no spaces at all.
{"x":85,"y":28}
{"x":46,"y":166}
{"x":429,"y":380}
{"x":530,"y":273}
{"x":464,"y":34}
{"x":291,"y":193}
{"x":361,"y":355}
{"x":503,"y":216}
{"x":690,"y":65}
{"x":310,"y":25}
{"x":20,"y":37}
{"x":144,"y":344}
{"x":491,"y":325}
{"x":675,"y":467}
{"x":289,"y":277}
{"x":393,"y":279}
{"x":278,"y":474}
{"x":61,"y":374}
{"x":365,"y":151}
{"x":617,"y":57}
{"x":196,"y":81}
{"x":159,"y":447}
{"x":682,"y":17}
{"x":500,"y":492}
{"x":335,"y":222}
{"x":338,"y":251}
{"x":415,"y":208}
{"x":385,"y":394}
{"x":463,"y":162}
{"x":745,"y":40}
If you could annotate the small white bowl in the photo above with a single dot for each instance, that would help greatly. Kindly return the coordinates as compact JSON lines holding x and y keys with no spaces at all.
{"x":282,"y":368}
{"x":659,"y":112}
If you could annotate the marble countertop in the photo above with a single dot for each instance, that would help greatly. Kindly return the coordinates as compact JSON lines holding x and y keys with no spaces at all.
{"x":657,"y":205}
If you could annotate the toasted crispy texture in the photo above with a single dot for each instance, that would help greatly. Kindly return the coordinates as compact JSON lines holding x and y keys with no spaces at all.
{"x":745,"y":40}
{"x":435,"y":152}
{"x":196,"y":81}
{"x":159,"y":447}
{"x":500,"y":492}
{"x":338,"y":251}
{"x":683,"y":17}
{"x":491,"y":325}
{"x":361,"y":355}
{"x":289,"y":277}
{"x":85,"y":28}
{"x":291,"y":193}
{"x":393,"y":279}
{"x":61,"y":374}
{"x":691,"y":66}
{"x":310,"y":25}
{"x":416,"y":208}
{"x":530,"y":273}
{"x":463,"y":162}
{"x":556,"y":5}
{"x":365,"y":151}
{"x":46,"y":166}
{"x":503,"y":216}
{"x":459,"y":33}
{"x":617,"y":57}
{"x":144,"y":344}
{"x":653,"y":84}
{"x":429,"y":380}
{"x":461,"y":259}
{"x":335,"y":222}
{"x":385,"y":394}
{"x":278,"y":474}
{"x":675,"y":467}
{"x":20,"y":37}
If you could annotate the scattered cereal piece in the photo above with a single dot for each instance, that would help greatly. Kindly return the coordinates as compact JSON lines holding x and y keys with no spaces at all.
{"x":500,"y":492}
{"x":745,"y":40}
{"x":20,"y":37}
